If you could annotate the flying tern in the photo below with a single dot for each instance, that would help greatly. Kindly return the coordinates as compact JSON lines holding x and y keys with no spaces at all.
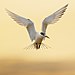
{"x":34,"y":35}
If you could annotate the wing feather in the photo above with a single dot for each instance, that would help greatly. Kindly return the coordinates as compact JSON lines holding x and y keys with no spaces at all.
{"x":24,"y":22}
{"x":53,"y":18}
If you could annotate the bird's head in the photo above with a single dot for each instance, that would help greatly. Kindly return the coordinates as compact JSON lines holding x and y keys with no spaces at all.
{"x":43,"y":34}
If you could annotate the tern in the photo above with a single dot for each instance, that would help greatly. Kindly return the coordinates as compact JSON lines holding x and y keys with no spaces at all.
{"x":34,"y":35}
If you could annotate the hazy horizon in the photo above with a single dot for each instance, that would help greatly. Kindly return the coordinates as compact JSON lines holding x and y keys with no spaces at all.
{"x":57,"y":60}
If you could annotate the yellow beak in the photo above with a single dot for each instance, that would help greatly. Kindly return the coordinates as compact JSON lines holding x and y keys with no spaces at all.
{"x":47,"y":37}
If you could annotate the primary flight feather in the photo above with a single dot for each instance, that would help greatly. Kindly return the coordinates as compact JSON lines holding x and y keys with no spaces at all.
{"x":24,"y":22}
{"x":38,"y":37}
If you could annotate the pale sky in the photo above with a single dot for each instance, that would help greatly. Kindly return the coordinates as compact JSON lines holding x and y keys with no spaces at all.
{"x":13,"y":37}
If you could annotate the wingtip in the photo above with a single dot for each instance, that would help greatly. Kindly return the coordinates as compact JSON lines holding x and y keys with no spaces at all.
{"x":6,"y":10}
{"x":66,"y":5}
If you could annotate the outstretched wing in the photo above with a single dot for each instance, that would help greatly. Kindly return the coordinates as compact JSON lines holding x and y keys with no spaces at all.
{"x":24,"y":22}
{"x":53,"y":18}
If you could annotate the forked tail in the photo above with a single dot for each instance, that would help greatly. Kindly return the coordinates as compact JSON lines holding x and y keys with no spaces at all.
{"x":42,"y":46}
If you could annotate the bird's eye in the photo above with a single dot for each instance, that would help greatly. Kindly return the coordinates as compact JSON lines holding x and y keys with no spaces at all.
{"x":36,"y":43}
{"x":42,"y":33}
{"x":40,"y":43}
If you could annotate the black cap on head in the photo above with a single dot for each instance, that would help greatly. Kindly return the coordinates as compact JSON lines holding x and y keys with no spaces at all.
{"x":42,"y":33}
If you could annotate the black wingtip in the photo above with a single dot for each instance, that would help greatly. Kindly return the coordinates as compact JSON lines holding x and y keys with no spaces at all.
{"x":66,"y":5}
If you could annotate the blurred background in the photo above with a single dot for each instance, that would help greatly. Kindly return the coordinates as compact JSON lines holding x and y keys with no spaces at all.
{"x":57,"y":60}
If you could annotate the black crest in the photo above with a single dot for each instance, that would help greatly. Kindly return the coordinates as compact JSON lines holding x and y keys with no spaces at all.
{"x":42,"y":33}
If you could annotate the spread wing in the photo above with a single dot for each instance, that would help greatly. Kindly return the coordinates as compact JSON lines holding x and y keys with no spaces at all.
{"x":53,"y":18}
{"x":24,"y":22}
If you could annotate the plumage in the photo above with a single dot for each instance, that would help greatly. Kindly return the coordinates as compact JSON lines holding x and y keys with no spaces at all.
{"x":38,"y":37}
{"x":24,"y":22}
{"x":53,"y":18}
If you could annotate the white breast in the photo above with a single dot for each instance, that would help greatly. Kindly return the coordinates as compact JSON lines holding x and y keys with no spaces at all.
{"x":38,"y":38}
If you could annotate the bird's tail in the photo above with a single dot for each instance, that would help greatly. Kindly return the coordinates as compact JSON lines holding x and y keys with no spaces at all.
{"x":29,"y":47}
{"x":43,"y":46}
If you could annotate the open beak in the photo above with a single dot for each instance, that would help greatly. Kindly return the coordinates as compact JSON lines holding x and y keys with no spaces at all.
{"x":47,"y":37}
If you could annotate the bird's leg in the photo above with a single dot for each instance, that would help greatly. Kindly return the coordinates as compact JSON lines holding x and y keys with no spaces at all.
{"x":37,"y":45}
